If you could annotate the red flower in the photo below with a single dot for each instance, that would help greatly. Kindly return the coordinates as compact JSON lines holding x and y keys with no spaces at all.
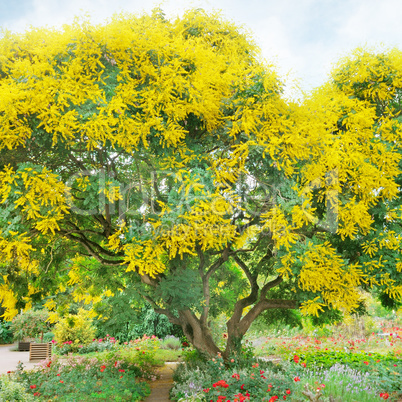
{"x":102,"y":369}
{"x":237,"y":376}
{"x":221,"y":383}
{"x":384,"y":395}
{"x":297,"y":379}
{"x":242,"y":387}
{"x":288,"y":391}
{"x":61,"y":381}
{"x":36,"y":393}
{"x":366,"y":363}
{"x":303,"y":364}
{"x":49,"y":363}
{"x":58,"y":375}
{"x":296,"y":359}
{"x":121,"y":370}
{"x":32,"y":386}
{"x":115,"y":364}
{"x":206,"y":390}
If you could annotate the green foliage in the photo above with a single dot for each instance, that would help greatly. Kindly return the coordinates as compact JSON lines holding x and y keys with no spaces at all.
{"x":150,"y":323}
{"x":77,"y":329}
{"x":278,"y":318}
{"x":127,"y":316}
{"x":13,"y":391}
{"x":388,"y":302}
{"x":48,"y":337}
{"x":225,"y":285}
{"x":183,"y":287}
{"x":6,"y":335}
{"x":327,"y":316}
{"x":30,"y":324}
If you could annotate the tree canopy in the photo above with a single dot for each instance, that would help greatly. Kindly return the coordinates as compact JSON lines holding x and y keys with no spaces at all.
{"x":162,"y":155}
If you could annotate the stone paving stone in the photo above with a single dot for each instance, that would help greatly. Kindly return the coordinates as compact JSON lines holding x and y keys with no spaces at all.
{"x":10,"y":357}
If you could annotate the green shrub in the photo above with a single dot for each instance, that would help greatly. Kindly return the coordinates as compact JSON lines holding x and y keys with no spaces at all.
{"x":13,"y":391}
{"x":6,"y":335}
{"x":170,"y":342}
{"x":48,"y":337}
{"x":150,"y":323}
{"x":30,"y":324}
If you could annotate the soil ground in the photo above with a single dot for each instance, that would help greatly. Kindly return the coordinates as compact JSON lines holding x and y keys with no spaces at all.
{"x":160,"y":388}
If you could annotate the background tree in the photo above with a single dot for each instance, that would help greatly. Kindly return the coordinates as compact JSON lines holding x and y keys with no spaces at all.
{"x":161,"y":155}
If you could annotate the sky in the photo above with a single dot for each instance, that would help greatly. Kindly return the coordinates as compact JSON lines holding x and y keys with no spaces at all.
{"x":304,"y":38}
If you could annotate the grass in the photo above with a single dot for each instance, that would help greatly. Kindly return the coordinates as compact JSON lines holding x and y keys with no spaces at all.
{"x":168,"y":355}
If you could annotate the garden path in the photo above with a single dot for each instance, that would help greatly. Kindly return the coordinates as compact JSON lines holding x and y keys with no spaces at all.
{"x":10,"y":357}
{"x":161,"y":387}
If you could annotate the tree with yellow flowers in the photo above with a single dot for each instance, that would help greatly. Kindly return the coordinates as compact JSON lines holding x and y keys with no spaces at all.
{"x":162,"y":155}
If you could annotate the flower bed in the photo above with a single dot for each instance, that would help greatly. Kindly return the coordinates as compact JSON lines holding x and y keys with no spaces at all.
{"x":97,"y":345}
{"x":113,"y":372}
{"x":215,"y":381}
{"x":85,"y":379}
{"x":349,"y":370}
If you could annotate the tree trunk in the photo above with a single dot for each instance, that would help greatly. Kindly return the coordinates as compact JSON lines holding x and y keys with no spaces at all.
{"x":198,"y":334}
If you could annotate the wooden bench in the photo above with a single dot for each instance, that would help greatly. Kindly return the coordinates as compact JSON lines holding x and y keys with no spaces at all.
{"x":40,"y":351}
